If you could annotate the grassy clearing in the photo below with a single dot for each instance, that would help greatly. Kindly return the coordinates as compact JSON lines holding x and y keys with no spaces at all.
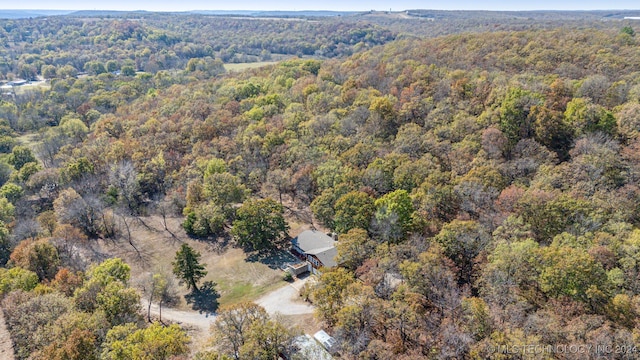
{"x":39,"y":85}
{"x":244,"y":66}
{"x":28,"y":140}
{"x":238,"y":279}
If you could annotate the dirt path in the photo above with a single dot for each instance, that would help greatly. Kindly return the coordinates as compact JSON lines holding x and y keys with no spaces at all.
{"x":284,"y":300}
{"x":193,"y":319}
{"x":6,"y":346}
{"x":197,"y":324}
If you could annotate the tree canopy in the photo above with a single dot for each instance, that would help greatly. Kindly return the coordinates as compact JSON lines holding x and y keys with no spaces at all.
{"x":260,"y":225}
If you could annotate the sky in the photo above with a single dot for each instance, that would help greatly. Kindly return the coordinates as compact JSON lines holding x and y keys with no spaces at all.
{"x":395,"y":5}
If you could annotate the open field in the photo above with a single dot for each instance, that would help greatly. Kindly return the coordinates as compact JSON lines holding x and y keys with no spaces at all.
{"x":244,"y":66}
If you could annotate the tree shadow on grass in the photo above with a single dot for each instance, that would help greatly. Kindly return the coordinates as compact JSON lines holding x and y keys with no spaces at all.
{"x":205,"y":300}
{"x":275,"y":259}
{"x":219,"y":244}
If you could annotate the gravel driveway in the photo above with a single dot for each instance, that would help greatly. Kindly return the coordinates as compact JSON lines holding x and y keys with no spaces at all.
{"x":199,"y":321}
{"x":286,"y":300}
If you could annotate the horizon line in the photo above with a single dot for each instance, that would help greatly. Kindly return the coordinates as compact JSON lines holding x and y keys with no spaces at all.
{"x":326,"y":10}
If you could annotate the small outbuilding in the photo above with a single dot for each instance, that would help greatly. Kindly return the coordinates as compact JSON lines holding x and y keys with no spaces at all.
{"x":326,"y":340}
{"x":308,"y":348}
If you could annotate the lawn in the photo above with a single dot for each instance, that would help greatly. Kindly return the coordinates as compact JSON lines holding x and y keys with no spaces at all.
{"x":241,"y":280}
{"x":237,"y":292}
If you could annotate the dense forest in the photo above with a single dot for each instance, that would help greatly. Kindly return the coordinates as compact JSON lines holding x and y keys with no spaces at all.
{"x":485,"y":186}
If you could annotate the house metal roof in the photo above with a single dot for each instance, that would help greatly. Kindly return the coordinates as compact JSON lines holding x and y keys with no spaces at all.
{"x":319,"y":244}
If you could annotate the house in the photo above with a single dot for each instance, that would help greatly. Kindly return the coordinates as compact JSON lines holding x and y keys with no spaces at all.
{"x":318,"y":248}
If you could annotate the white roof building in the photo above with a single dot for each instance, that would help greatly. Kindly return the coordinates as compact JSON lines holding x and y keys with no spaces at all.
{"x":325,"y":339}
{"x":308,"y":348}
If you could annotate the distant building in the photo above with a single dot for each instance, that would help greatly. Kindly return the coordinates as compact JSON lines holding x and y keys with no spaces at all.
{"x":318,"y":248}
{"x":17,"y":83}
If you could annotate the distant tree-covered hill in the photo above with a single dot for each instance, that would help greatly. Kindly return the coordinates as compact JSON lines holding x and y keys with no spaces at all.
{"x":25,"y":14}
{"x":87,"y":41}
